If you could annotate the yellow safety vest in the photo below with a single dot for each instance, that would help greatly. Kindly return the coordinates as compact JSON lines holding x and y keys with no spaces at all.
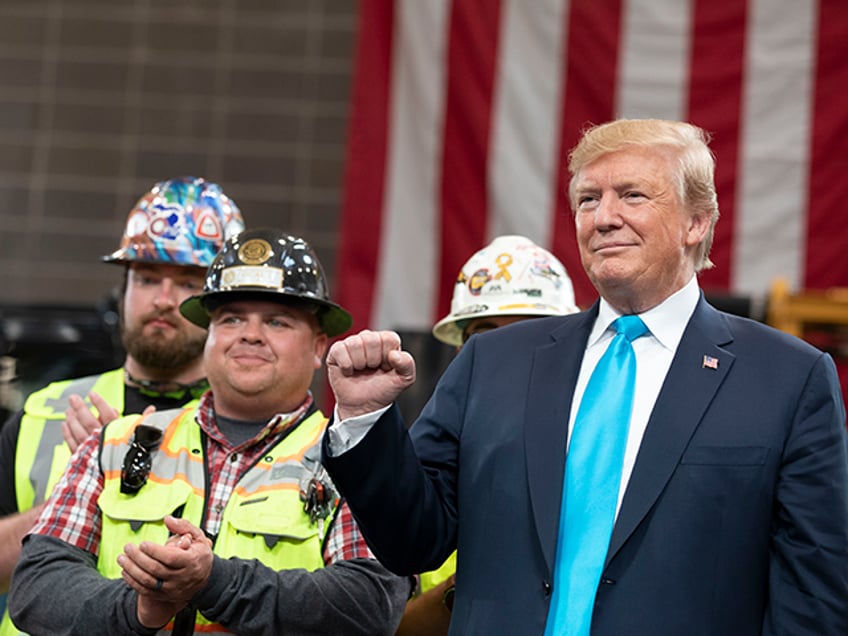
{"x":41,"y":453}
{"x":431,"y":579}
{"x":264,"y":518}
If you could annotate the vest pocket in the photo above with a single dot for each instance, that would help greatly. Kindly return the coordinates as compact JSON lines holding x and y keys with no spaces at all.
{"x":133,"y":519}
{"x":148,"y":507}
{"x":272,"y":528}
{"x":272,"y":516}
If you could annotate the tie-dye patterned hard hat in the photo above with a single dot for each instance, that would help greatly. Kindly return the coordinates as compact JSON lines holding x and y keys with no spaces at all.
{"x":182,"y":221}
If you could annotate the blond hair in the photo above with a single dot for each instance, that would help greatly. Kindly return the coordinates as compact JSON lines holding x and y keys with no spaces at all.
{"x":695,"y":174}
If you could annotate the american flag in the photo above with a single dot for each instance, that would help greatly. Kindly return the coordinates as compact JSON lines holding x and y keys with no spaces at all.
{"x":463,"y":112}
{"x":710,"y":362}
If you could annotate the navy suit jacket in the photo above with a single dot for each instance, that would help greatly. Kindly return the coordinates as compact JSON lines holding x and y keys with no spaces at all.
{"x":734,"y":521}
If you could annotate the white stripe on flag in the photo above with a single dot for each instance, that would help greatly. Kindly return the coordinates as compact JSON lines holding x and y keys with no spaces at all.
{"x":409,"y":251}
{"x":772,"y":193}
{"x":654,"y":59}
{"x":526,"y":115}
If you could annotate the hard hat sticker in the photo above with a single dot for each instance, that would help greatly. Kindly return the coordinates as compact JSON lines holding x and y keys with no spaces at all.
{"x":504,"y":261}
{"x":255,"y":252}
{"x":543,"y":268}
{"x":478,"y":280}
{"x":136,"y":224}
{"x":208,"y":227}
{"x":167,"y":224}
{"x":248,"y":276}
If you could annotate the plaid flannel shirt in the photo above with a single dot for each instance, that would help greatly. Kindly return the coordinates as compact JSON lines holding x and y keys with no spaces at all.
{"x":72,"y":515}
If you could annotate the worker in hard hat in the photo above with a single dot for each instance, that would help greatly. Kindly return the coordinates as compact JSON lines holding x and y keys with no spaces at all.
{"x":172,"y":235}
{"x":219,"y":517}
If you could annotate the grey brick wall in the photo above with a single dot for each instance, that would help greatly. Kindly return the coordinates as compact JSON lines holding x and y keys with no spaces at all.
{"x":99,"y":99}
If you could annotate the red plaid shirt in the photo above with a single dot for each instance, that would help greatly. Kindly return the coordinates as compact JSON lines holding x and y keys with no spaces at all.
{"x":72,"y":515}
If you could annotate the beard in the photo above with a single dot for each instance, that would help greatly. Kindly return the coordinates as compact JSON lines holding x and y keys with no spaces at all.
{"x":156,"y":351}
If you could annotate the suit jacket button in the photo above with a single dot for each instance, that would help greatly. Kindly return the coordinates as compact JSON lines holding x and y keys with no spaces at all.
{"x":607,"y":580}
{"x":547,"y":588}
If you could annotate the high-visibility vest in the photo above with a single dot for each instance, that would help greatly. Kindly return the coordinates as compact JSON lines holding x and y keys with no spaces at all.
{"x":263,"y":519}
{"x":41,"y":454}
{"x":431,"y":579}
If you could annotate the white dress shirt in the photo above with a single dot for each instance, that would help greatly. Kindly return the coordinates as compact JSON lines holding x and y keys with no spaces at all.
{"x":654,"y":352}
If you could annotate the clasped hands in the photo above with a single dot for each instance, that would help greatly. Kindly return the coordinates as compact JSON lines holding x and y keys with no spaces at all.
{"x":167,"y":576}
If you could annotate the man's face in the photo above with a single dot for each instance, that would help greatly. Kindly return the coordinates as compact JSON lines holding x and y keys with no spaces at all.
{"x":636,"y":238}
{"x":153,"y":331}
{"x":260,"y":357}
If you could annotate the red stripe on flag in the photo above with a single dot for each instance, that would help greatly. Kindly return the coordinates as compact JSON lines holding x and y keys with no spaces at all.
{"x":827,"y":233}
{"x":365,"y":167}
{"x":588,"y":98}
{"x":715,"y":104}
{"x":472,"y":53}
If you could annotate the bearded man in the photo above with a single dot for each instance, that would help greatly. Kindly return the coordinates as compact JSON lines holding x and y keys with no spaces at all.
{"x":171,"y":237}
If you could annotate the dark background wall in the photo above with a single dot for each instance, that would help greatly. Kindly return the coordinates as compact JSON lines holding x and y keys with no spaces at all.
{"x":99,"y":99}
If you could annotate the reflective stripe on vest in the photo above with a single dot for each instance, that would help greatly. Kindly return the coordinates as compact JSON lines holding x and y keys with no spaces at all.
{"x":263,"y":519}
{"x":41,"y":453}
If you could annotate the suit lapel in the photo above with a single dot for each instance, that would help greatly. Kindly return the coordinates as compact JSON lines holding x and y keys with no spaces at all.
{"x":687,"y":391}
{"x":551,"y":387}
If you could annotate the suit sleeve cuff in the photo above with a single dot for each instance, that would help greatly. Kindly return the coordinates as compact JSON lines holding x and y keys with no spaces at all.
{"x":343,"y":435}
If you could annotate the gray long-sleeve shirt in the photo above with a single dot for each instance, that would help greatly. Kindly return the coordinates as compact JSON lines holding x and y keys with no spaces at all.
{"x":56,"y":589}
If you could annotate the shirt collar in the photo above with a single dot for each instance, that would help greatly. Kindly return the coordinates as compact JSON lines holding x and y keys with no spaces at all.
{"x":666,"y":321}
{"x":277,"y":425}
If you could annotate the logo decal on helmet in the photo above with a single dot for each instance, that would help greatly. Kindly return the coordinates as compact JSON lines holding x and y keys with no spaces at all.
{"x":167,"y":224}
{"x":209,"y":227}
{"x":545,"y":269}
{"x":531,"y":292}
{"x":137,"y":224}
{"x":478,"y":280}
{"x":254,"y":252}
{"x":471,"y":309}
{"x":504,"y":261}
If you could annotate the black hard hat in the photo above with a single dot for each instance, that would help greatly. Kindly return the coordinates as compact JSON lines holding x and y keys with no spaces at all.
{"x":269,"y":264}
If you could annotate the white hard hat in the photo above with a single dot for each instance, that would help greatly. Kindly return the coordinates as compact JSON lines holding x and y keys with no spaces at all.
{"x":512,"y":276}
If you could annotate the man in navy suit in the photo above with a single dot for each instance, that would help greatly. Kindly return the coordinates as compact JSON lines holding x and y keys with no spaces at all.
{"x":732,"y":514}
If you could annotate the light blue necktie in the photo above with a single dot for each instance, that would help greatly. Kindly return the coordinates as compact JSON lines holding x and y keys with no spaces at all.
{"x":592,"y":480}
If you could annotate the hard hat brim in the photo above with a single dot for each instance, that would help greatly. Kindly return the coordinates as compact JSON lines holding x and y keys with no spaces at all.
{"x":449,"y":329}
{"x":331,"y":317}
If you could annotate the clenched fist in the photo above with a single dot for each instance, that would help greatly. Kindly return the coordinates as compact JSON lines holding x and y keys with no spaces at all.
{"x":368,"y":371}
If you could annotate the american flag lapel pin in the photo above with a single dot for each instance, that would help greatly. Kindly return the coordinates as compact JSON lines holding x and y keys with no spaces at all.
{"x":709,"y":362}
